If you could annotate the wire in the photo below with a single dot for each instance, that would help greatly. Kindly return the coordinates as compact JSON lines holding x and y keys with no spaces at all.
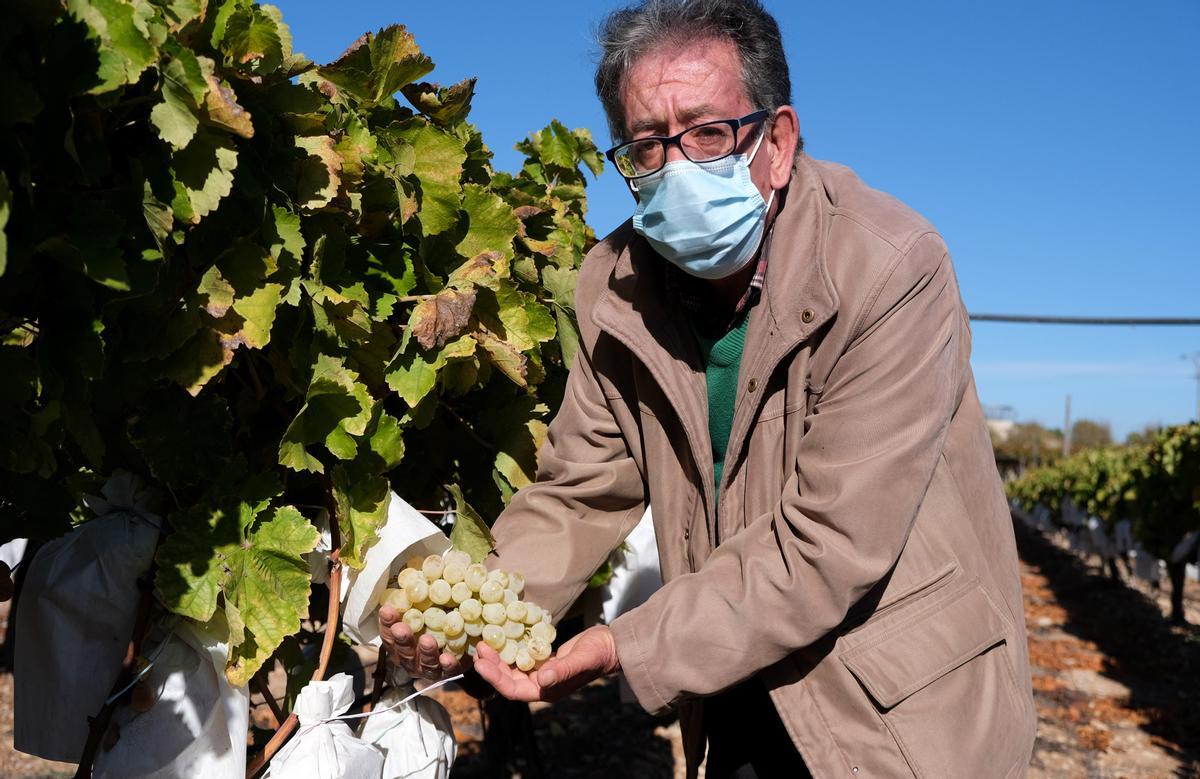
{"x":1050,"y":319}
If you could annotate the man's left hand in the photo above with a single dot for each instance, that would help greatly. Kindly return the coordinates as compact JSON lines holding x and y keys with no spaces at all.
{"x":587,"y":656}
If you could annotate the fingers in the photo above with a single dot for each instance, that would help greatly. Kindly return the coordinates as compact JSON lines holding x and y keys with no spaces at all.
{"x":429,"y":664}
{"x":509,"y":682}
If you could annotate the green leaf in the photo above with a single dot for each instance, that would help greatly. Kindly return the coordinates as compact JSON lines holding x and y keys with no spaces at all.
{"x":444,"y":105}
{"x":362,"y":505}
{"x":252,"y":37}
{"x":438,"y":167}
{"x":203,"y":175}
{"x":183,"y":87}
{"x":336,"y":410}
{"x":375,"y":66}
{"x":125,"y":50}
{"x":491,"y":223}
{"x":191,"y":560}
{"x":470,"y":533}
{"x":269,"y":586}
{"x":413,"y":371}
{"x":387,"y":440}
{"x":258,"y":311}
{"x":201,"y":358}
{"x":526,"y":322}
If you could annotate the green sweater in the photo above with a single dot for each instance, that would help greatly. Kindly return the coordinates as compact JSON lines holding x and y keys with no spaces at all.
{"x":722,"y":356}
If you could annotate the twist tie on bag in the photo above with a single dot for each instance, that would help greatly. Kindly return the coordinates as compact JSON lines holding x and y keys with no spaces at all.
{"x":304,"y":727}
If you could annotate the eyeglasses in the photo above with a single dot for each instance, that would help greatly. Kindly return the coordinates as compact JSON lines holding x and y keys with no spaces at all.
{"x":707,"y":142}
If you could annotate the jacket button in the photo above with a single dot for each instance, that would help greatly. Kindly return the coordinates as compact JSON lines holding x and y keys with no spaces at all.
{"x":687,"y":533}
{"x":807,"y":315}
{"x":752,"y":385}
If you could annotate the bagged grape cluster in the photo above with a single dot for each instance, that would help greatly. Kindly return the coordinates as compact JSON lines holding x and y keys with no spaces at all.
{"x":461,"y":603}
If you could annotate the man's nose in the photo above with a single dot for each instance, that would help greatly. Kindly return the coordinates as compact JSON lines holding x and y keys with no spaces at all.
{"x":675,"y":152}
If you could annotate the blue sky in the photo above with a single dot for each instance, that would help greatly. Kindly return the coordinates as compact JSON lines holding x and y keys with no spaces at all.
{"x":1055,"y":145}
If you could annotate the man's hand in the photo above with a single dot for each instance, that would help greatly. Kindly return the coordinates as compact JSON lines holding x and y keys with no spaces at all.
{"x":420,"y":658}
{"x":587,"y":656}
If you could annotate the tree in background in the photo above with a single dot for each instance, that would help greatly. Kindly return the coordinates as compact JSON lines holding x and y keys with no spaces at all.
{"x":1087,"y":434}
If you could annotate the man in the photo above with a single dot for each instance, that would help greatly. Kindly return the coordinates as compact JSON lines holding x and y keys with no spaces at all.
{"x":774,"y":356}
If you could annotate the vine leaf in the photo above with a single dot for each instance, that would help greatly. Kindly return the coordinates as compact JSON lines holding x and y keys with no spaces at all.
{"x":444,"y":105}
{"x":438,"y":165}
{"x":361,"y":501}
{"x":491,"y":223}
{"x":470,"y":533}
{"x":375,"y":66}
{"x":437,"y":320}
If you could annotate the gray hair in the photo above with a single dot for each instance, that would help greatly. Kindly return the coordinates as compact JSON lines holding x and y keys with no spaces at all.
{"x":628,"y":33}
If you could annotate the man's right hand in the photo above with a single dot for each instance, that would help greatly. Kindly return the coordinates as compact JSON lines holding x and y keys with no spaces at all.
{"x":421,"y":658}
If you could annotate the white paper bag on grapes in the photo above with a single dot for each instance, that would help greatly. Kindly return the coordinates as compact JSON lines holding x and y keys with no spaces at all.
{"x":416,"y":737}
{"x":405,"y":534}
{"x":75,"y":617}
{"x":185,"y":720}
{"x":324,"y":749}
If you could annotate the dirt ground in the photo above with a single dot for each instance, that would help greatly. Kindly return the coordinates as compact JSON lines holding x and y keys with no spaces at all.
{"x":1116,"y":688}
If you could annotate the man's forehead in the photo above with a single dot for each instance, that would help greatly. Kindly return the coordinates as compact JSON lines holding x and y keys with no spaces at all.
{"x":683,"y":83}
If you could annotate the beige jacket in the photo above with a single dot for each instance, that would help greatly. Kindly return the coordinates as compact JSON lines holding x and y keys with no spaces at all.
{"x":866,"y":567}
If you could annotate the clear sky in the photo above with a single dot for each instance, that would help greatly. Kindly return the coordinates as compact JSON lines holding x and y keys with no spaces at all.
{"x":1056,"y":146}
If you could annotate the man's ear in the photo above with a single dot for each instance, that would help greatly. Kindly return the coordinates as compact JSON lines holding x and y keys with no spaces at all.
{"x":784,"y":136}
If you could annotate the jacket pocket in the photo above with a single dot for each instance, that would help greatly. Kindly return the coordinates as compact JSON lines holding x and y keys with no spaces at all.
{"x":942,"y":681}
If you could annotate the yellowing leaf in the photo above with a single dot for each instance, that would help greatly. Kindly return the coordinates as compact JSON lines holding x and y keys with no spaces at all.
{"x":319,"y":171}
{"x":438,"y":167}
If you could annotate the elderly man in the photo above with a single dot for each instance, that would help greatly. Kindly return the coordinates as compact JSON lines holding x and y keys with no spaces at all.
{"x":775,"y":356}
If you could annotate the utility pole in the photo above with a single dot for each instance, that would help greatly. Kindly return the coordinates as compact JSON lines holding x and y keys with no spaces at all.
{"x":1067,"y":429}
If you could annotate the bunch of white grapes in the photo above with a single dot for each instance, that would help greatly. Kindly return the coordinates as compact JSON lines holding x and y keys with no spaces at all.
{"x":461,"y":603}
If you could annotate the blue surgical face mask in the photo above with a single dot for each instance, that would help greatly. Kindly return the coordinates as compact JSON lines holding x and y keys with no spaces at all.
{"x":707,"y":218}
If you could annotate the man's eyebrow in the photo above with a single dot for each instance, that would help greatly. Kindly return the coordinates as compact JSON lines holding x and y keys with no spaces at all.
{"x":687,"y":116}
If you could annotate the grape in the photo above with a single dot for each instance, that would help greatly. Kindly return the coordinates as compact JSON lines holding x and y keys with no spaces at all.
{"x":415,"y":620}
{"x":475,"y":576}
{"x":435,"y":618}
{"x":395,"y":599}
{"x":458,"y":557}
{"x":473,"y":629}
{"x":544,"y":631}
{"x":438,"y":636}
{"x":471,"y":609}
{"x":524,"y":661}
{"x":514,"y":630}
{"x":539,"y":650}
{"x":461,"y":592}
{"x":454,"y":573}
{"x":509,"y":653}
{"x":533,"y":613}
{"x":457,"y":645}
{"x":517,"y":611}
{"x":439,"y":592}
{"x":408,"y":575}
{"x":516,"y":582}
{"x":509,"y":597}
{"x":432,"y":567}
{"x":454,"y":623}
{"x":493,"y":636}
{"x":417,"y":591}
{"x":499,"y":576}
{"x":494,"y":614}
{"x":491,"y":591}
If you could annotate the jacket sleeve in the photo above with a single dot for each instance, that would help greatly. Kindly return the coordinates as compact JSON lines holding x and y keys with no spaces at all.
{"x":863,"y":466}
{"x":588,"y":496}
